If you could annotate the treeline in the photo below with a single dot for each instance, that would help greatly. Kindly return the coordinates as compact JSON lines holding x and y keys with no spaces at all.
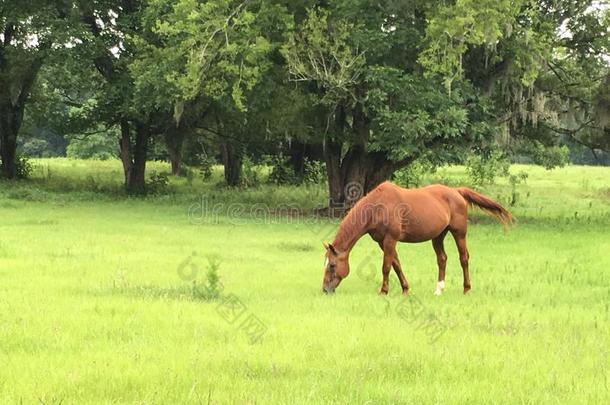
{"x":364,"y":88}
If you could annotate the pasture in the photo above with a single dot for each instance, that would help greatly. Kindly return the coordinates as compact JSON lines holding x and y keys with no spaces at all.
{"x":103,"y":300}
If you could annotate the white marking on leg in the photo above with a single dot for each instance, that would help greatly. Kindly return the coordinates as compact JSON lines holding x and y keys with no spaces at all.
{"x":440,"y":287}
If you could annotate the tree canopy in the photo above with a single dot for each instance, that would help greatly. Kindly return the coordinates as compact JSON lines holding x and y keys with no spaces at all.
{"x":366,"y":88}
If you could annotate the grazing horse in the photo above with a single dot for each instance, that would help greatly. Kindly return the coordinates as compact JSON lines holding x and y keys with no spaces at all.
{"x":390,"y":214}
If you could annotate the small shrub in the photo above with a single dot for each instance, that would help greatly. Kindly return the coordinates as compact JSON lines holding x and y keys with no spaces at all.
{"x":24,"y":167}
{"x":281,"y":172}
{"x":413,"y":175}
{"x":514,"y":180}
{"x":189,"y":175}
{"x":206,"y":164}
{"x":549,"y":158}
{"x":158,"y":183}
{"x":484,"y":170}
{"x":213,"y":287}
{"x":314,"y":172}
{"x":250,"y":176}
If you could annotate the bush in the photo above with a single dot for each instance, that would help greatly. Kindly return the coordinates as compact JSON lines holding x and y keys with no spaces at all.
{"x":514,"y":180}
{"x":213,"y":287}
{"x":158,"y":183}
{"x":549,"y":158}
{"x":24,"y":167}
{"x":249,"y":176}
{"x":206,"y":163}
{"x":315,"y":172}
{"x":484,"y":170}
{"x":281,"y":172}
{"x":413,"y":175}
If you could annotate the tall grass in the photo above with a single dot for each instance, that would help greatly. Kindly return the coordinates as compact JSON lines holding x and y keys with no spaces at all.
{"x":93,"y":308}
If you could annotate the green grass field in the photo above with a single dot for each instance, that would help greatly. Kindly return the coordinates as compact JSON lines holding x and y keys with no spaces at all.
{"x":96,"y":305}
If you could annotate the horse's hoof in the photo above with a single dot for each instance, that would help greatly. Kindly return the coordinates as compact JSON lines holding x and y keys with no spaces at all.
{"x":466,"y":290}
{"x":405,"y":292}
{"x":440,"y":287}
{"x":381,"y":292}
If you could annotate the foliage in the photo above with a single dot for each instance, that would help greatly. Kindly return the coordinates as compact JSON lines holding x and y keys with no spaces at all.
{"x":251,"y":176}
{"x":543,"y":65}
{"x":207,"y":49}
{"x":456,"y":27}
{"x":321,"y":53}
{"x":101,"y":146}
{"x":24,"y":167}
{"x":158,"y":183}
{"x":371,"y":86}
{"x":205,"y":167}
{"x":212,"y":287}
{"x":414,"y":175}
{"x":548,"y":156}
{"x":412,"y":116}
{"x":35,"y":147}
{"x":514,"y":180}
{"x":281,"y":172}
{"x":314,"y":172}
{"x":483,"y":170}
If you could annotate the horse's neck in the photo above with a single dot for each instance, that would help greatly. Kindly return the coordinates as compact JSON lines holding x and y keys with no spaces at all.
{"x":352,"y":228}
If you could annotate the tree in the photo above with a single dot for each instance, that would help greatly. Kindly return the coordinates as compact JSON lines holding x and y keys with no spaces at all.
{"x":541,"y":63}
{"x":31,"y":33}
{"x":111,"y":44}
{"x":400,"y":81}
{"x":379,"y":113}
{"x":207,"y":56}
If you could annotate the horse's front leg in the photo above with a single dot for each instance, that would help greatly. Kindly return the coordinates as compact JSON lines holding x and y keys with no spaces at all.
{"x":389,"y":249}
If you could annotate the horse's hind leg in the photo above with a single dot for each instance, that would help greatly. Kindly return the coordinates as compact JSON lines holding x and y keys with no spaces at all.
{"x":441,"y":260}
{"x":460,"y":241}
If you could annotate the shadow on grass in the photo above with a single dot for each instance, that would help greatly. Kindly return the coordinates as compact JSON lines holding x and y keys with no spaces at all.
{"x":295,"y":246}
{"x":194,"y":292}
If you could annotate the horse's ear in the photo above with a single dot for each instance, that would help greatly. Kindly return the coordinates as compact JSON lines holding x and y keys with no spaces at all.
{"x":332,"y":249}
{"x":325,"y":245}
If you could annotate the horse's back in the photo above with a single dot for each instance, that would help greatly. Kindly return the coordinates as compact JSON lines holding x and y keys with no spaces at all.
{"x":423,"y":213}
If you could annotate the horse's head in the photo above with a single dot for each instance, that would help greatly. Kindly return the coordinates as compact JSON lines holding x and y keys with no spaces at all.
{"x":336,"y":268}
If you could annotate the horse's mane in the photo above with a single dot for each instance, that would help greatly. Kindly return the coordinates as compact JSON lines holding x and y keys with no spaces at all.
{"x":355,"y":220}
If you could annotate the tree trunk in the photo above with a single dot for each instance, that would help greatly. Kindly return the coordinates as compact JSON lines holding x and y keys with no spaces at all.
{"x":8,"y":144}
{"x":175,"y":158}
{"x":11,"y":114}
{"x":174,"y":139}
{"x":300,"y":152}
{"x":352,"y":177}
{"x":332,"y":157}
{"x":125,"y":148}
{"x":296,"y":159}
{"x":353,"y":174}
{"x":137,"y":182}
{"x":232,"y":160}
{"x":134,"y":156}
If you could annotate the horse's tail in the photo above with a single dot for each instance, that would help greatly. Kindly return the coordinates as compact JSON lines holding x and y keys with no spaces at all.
{"x":488,"y":205}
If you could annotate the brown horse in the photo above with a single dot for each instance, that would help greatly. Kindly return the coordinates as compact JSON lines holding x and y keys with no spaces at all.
{"x":390,"y":214}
